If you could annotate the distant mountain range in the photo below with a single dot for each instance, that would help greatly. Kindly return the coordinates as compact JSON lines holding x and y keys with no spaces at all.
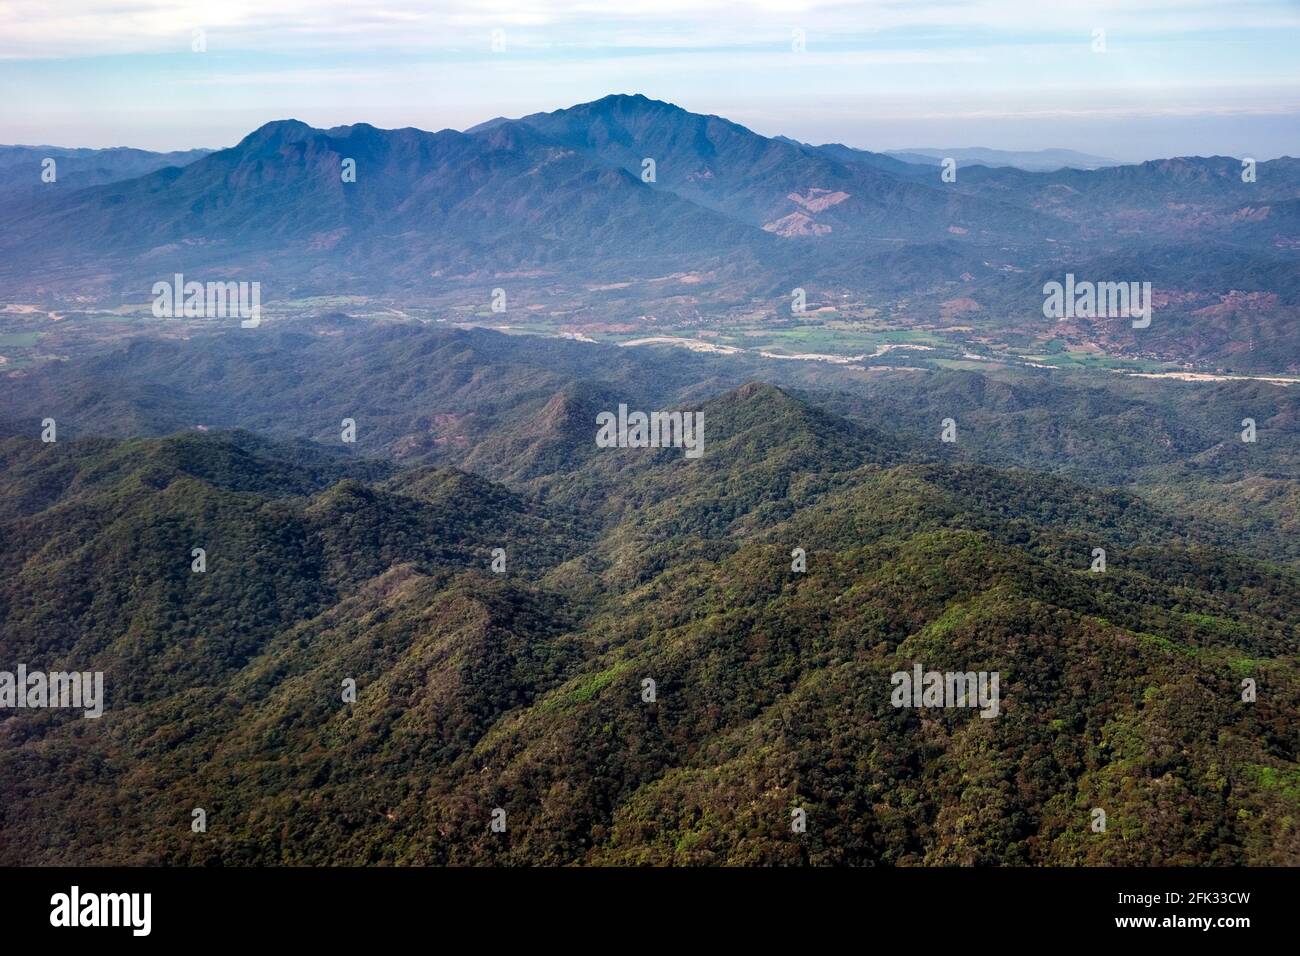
{"x":23,"y":169}
{"x":1034,"y":160}
{"x":630,"y":189}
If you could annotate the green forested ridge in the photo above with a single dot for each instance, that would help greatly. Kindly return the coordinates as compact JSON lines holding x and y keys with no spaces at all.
{"x":523,"y":690}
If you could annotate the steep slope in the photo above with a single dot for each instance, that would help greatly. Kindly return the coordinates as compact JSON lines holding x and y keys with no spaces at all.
{"x":104,"y":572}
{"x":787,"y":189}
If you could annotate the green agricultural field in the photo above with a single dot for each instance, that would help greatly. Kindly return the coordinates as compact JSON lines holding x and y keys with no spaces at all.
{"x":1093,"y":360}
{"x":828,"y":341}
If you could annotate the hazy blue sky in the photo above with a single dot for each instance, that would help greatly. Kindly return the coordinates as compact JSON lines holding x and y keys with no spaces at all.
{"x":1176,"y":77}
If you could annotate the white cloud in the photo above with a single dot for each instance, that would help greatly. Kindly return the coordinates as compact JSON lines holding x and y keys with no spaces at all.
{"x":39,"y":28}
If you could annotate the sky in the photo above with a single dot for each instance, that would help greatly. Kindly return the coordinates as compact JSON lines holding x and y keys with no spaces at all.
{"x":1125,"y":79}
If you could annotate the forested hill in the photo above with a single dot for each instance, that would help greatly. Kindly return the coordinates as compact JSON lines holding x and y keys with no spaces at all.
{"x":515,"y":680}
